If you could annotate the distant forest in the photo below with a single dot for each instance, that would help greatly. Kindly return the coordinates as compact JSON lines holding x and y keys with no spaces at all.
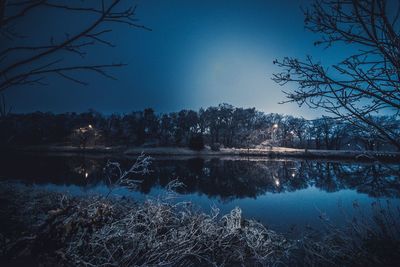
{"x":221,"y":126}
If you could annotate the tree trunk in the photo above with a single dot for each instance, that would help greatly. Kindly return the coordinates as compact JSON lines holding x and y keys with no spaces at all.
{"x":3,"y":4}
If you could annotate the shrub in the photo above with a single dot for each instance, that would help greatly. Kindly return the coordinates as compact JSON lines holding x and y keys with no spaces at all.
{"x":196,"y":142}
{"x":215,"y":146}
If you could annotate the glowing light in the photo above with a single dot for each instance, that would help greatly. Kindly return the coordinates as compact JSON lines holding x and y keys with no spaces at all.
{"x":277,"y":183}
{"x":293,"y":175}
{"x":86,"y":175}
{"x":275,"y":126}
{"x":90,"y":126}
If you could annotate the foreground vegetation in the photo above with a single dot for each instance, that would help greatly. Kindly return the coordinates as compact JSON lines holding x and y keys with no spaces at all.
{"x":47,"y":228}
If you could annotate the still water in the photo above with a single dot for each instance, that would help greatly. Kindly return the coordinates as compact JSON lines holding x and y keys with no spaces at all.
{"x":286,"y":195}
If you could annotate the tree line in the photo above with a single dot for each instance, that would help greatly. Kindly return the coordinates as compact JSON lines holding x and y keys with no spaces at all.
{"x":219,"y":126}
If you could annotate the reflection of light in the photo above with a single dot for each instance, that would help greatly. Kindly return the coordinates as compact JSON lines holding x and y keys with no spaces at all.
{"x":277,"y":183}
{"x":292,"y":132}
{"x":86,"y":175}
{"x":90,"y":126}
{"x":275,"y":126}
{"x":293,"y":174}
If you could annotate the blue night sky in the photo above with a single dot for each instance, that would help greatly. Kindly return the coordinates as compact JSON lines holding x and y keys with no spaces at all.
{"x":198,"y":54}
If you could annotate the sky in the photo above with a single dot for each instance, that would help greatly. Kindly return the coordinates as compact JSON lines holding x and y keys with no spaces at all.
{"x":198,"y":54}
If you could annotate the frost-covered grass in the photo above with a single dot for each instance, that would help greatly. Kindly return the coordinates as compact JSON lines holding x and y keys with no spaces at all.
{"x":55,"y":229}
{"x":96,"y":231}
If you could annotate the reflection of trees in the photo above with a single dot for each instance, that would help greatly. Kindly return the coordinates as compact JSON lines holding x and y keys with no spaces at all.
{"x":225,"y":179}
{"x":324,"y":175}
{"x":237,"y":179}
{"x":56,"y":170}
{"x":372,"y":179}
{"x":87,"y":170}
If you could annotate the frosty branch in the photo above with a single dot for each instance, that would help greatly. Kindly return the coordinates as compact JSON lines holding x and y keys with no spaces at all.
{"x":124,"y":178}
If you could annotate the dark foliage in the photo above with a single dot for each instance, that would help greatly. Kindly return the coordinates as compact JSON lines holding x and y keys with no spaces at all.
{"x":224,"y":125}
{"x":215,"y":146}
{"x":196,"y":142}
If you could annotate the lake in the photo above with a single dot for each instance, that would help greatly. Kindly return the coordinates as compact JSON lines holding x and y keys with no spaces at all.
{"x":287,"y":195}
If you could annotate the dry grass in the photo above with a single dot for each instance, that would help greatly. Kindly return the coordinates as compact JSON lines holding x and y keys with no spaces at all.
{"x":97,"y":231}
{"x":366,"y":240}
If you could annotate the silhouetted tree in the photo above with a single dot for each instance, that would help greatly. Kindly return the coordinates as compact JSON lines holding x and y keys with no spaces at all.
{"x":4,"y":110}
{"x":151,"y":126}
{"x":196,"y":142}
{"x":363,"y":83}
{"x":166,"y":130}
{"x":24,"y":62}
{"x":85,"y":136}
{"x":233,"y":127}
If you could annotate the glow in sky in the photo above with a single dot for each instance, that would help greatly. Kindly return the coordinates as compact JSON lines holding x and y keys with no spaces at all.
{"x":200,"y":53}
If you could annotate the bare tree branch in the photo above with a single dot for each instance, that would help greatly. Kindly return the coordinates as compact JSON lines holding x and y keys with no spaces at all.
{"x":21,"y":62}
{"x":361,"y":85}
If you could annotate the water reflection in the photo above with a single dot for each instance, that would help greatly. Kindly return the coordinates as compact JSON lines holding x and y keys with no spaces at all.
{"x":223,"y":179}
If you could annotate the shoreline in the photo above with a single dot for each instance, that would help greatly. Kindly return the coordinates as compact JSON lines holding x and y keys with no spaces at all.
{"x":274,"y":152}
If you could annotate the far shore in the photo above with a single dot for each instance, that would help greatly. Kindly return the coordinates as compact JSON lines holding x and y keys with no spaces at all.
{"x":274,"y":152}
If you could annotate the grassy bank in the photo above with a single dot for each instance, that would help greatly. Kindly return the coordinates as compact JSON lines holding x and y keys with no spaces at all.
{"x":276,"y":152}
{"x":271,"y":152}
{"x":48,"y":229}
